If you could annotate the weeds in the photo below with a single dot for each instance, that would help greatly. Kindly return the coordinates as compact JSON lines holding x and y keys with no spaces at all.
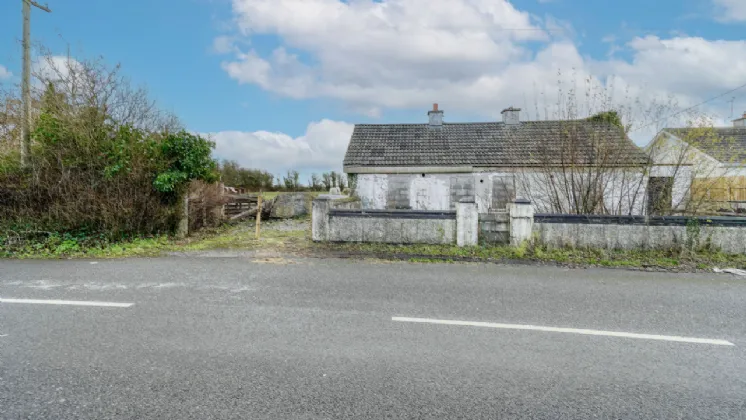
{"x":276,"y":237}
{"x":643,"y":259}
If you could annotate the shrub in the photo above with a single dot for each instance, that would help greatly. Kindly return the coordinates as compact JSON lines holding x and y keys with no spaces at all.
{"x":103,"y":160}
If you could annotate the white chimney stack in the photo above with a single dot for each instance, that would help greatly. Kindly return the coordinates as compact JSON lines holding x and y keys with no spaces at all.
{"x":511,"y":116}
{"x":436,"y":117}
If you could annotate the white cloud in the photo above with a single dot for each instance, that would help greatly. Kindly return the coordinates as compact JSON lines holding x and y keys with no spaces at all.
{"x":375,"y":55}
{"x":686,"y":65}
{"x":5,"y":73}
{"x":320,"y":149}
{"x":223,"y":44}
{"x":378,"y":55}
{"x":407,"y":54}
{"x":731,"y":10}
{"x":57,"y":69}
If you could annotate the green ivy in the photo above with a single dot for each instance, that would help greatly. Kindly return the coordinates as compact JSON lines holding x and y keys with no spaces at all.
{"x":609,"y":117}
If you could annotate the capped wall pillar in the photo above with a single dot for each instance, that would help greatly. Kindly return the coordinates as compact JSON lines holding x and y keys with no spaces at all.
{"x":521,"y":221}
{"x":467,"y":222}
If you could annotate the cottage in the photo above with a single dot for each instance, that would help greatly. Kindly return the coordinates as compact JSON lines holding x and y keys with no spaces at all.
{"x":575,"y":166}
{"x":699,"y":166}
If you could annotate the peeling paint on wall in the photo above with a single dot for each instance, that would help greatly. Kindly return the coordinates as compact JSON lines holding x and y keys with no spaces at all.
{"x":398,"y":194}
{"x":486,"y":183}
{"x":442,"y":191}
{"x":461,"y":187}
{"x":483,"y":191}
{"x":372,"y":190}
{"x":429,"y":193}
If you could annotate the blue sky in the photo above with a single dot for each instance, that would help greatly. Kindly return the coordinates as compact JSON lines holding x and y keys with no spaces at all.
{"x":280,"y":82}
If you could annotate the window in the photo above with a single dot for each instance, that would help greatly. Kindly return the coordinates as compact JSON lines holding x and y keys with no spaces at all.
{"x":503,"y":192}
{"x":660,"y":195}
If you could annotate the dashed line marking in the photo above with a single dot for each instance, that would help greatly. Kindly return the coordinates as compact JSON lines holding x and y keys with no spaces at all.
{"x":67,"y":302}
{"x":711,"y":341}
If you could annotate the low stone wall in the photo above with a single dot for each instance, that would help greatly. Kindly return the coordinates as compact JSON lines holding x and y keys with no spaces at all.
{"x":289,"y":205}
{"x":340,"y":219}
{"x":642,"y":234}
{"x":394,"y":227}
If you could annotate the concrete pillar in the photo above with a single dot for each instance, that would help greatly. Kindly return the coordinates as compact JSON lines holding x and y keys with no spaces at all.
{"x":467,"y":222}
{"x":320,"y":219}
{"x":183,"y":229}
{"x":218,"y":212}
{"x":521,"y":221}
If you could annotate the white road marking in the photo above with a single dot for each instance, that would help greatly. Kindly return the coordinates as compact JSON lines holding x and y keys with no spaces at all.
{"x":3,"y":335}
{"x":711,"y":341}
{"x":67,"y":302}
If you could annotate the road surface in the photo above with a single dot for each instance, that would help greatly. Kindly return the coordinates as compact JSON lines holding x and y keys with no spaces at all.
{"x":236,"y":338}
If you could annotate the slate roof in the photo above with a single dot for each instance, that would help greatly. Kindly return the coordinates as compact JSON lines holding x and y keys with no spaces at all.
{"x":492,"y":144}
{"x":727,"y":144}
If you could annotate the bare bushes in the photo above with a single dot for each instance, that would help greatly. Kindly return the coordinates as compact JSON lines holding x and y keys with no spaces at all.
{"x":104,"y":159}
{"x":206,"y":201}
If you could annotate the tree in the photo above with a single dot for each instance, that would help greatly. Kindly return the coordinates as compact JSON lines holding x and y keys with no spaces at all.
{"x":315,"y":182}
{"x":585,"y":172}
{"x":330,"y":179}
{"x":582,"y":171}
{"x":291,"y":181}
{"x":342,"y":181}
{"x":230,"y":173}
{"x":233,"y":175}
{"x":326,"y":179}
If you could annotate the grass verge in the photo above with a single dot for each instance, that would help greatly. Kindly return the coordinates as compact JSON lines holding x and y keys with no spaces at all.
{"x":294,"y":237}
{"x":638,"y":259}
{"x":274,"y":236}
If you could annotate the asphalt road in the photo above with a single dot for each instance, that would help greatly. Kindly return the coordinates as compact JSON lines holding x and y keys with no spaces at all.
{"x":214,"y":338}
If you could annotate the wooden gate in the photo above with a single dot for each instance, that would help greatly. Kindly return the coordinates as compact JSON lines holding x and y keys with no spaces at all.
{"x":238,"y":205}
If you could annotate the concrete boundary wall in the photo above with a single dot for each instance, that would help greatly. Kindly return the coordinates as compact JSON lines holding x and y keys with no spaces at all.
{"x":340,"y":219}
{"x":391,"y":228}
{"x":729,"y":239}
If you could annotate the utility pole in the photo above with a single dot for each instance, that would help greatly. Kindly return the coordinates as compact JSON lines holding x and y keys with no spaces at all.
{"x":26,"y":82}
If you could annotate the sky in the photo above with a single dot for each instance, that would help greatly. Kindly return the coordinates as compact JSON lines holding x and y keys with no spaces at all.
{"x":279,"y":84}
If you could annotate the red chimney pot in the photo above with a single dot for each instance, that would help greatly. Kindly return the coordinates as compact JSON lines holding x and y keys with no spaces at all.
{"x":435,"y":107}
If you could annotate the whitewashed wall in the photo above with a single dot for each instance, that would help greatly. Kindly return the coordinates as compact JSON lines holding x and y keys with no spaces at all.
{"x":429,"y":193}
{"x":433,"y":191}
{"x":626,"y":192}
{"x":372,"y":190}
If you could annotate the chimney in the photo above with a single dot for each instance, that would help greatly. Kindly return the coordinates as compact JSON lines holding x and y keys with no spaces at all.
{"x":436,"y":117}
{"x":511,"y":116}
{"x":741,"y":122}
